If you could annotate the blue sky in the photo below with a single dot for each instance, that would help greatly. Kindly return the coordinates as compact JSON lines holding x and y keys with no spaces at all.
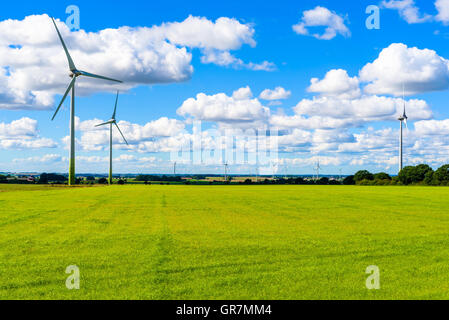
{"x":294,"y":59}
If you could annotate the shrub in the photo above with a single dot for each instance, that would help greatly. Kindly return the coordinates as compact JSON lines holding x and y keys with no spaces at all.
{"x":103,"y":181}
{"x":382,"y":176}
{"x":411,"y":174}
{"x":349,"y":180}
{"x":441,"y":176}
{"x":363,"y":175}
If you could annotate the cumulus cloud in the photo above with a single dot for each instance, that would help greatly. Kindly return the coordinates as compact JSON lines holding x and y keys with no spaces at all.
{"x":332,"y":112}
{"x":47,"y":158}
{"x":222,"y":108}
{"x":432,"y":127}
{"x":322,"y":17}
{"x":336,"y":83}
{"x":419,"y":70}
{"x":442,"y":7}
{"x":97,"y":138}
{"x":23,"y":134}
{"x":33,"y":67}
{"x":407,"y":10}
{"x":278,"y":93}
{"x":225,"y":58}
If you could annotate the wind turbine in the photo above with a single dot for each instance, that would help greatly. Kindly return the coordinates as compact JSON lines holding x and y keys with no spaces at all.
{"x":317,"y":168}
{"x":226,"y":172}
{"x":74,"y":73}
{"x":110,"y":123}
{"x":402,"y":119}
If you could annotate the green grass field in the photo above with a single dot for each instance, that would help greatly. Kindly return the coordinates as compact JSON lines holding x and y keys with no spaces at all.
{"x":224,"y":242}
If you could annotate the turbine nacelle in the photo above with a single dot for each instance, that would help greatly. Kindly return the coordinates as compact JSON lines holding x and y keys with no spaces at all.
{"x":113,"y":120}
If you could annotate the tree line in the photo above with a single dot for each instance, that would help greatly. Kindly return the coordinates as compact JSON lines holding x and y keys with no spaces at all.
{"x":421,"y":174}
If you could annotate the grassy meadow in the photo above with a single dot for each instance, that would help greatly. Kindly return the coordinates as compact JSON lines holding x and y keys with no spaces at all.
{"x":224,"y":242}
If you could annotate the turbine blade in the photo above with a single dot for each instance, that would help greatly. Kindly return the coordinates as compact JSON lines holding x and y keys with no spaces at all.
{"x":72,"y":83}
{"x":115,"y":108}
{"x":91,"y":75}
{"x":102,"y":124}
{"x":121,"y":133}
{"x":69,"y":58}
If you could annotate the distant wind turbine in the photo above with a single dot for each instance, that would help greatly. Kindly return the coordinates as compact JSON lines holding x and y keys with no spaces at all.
{"x":402,"y":119}
{"x":74,"y":73}
{"x":226,"y":171}
{"x":317,"y":168}
{"x":110,"y":123}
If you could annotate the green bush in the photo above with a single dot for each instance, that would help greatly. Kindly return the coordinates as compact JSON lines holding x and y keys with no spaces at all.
{"x":410,"y":174}
{"x":382,"y":176}
{"x":363,"y":175}
{"x":349,"y":180}
{"x":441,"y":176}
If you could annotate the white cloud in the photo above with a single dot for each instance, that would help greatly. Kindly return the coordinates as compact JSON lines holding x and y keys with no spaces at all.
{"x":336,"y":83}
{"x":47,"y":158}
{"x":242,"y":93}
{"x":420,"y":70}
{"x":364,"y":109}
{"x":225,"y":58}
{"x":278,"y":93}
{"x":97,"y":138}
{"x":322,"y":17}
{"x":432,"y":127}
{"x":222,"y":108}
{"x":33,"y":67}
{"x":442,"y":7}
{"x":407,"y":10}
{"x":332,"y":112}
{"x":23,"y":134}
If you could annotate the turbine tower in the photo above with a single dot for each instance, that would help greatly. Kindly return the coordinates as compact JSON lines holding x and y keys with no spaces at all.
{"x":402,"y":119}
{"x":74,"y":73}
{"x":226,"y":172}
{"x":317,"y":168}
{"x":110,"y":123}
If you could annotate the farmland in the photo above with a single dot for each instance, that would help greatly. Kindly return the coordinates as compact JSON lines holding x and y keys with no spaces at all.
{"x":224,"y":242}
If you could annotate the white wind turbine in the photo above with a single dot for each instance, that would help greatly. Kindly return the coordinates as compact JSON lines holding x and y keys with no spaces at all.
{"x":74,"y":74}
{"x":111,"y":122}
{"x":226,"y":172}
{"x":318,"y":168}
{"x":402,"y":119}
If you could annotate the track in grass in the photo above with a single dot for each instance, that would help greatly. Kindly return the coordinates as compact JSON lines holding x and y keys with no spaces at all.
{"x":224,"y":242}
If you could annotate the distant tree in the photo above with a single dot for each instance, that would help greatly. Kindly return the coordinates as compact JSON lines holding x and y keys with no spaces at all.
{"x":412,"y":174}
{"x":43,"y":179}
{"x":382,"y":176}
{"x":299,"y":180}
{"x":363,"y":175}
{"x":103,"y":181}
{"x":3,"y":179}
{"x":349,"y":180}
{"x":441,"y":176}
{"x":121,"y":182}
{"x":248,"y":181}
{"x":90,"y":178}
{"x":429,"y":179}
{"x":334,"y":182}
{"x":323,"y":181}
